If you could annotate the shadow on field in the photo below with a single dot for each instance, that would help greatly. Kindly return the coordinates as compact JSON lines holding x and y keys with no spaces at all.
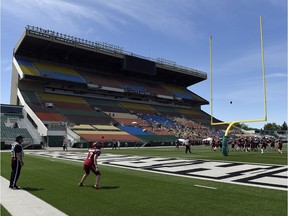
{"x":32,"y":189}
{"x":109,"y":187}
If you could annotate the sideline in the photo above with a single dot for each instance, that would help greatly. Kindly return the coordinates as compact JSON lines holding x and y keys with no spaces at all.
{"x":22,"y":203}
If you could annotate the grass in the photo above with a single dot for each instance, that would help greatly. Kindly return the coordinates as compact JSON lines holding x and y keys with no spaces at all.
{"x":128,"y":192}
{"x":4,"y":211}
{"x":205,"y":152}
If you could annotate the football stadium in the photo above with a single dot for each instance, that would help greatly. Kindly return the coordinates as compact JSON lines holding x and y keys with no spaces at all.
{"x":68,"y":91}
{"x":88,"y":91}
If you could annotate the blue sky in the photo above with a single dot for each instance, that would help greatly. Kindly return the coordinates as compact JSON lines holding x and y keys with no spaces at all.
{"x":177,"y":31}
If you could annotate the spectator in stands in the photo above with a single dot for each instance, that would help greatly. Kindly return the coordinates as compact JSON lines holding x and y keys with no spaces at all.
{"x":17,"y":162}
{"x":90,"y":164}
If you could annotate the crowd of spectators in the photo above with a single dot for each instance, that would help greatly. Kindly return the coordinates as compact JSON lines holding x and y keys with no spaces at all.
{"x":183,"y":128}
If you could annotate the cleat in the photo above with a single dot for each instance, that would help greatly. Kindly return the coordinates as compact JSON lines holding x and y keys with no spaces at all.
{"x":80,"y":184}
{"x":96,"y":187}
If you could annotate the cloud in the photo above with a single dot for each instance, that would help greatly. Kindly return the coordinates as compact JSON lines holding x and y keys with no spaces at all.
{"x":159,"y":16}
{"x":249,"y":62}
{"x":112,"y":15}
{"x":58,"y":13}
{"x":276,"y":75}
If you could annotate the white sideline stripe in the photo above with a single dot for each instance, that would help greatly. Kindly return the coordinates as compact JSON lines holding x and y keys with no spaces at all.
{"x":203,"y":186}
{"x":22,"y":203}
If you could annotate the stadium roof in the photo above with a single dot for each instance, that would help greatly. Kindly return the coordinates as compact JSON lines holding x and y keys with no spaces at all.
{"x":48,"y":45}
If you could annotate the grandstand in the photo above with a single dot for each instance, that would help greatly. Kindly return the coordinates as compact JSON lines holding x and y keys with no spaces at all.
{"x":13,"y":124}
{"x":89,"y":91}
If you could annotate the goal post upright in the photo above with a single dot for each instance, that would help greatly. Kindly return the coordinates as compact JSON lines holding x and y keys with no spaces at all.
{"x":263,"y":69}
{"x":231,"y":123}
{"x":211,"y":95}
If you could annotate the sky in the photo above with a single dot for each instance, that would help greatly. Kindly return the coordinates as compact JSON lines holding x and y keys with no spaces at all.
{"x":177,"y":31}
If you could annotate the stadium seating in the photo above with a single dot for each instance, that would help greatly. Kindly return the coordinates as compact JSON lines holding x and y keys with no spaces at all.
{"x":108,"y":132}
{"x":48,"y":97}
{"x":178,"y":92}
{"x":31,"y":97}
{"x":105,"y":105}
{"x":167,"y":111}
{"x":51,"y":117}
{"x":156,"y":119}
{"x":138,"y":108}
{"x":10,"y":129}
{"x":94,"y":117}
{"x":191,"y":114}
{"x":99,"y":79}
{"x":155,"y":88}
{"x":112,"y":118}
{"x":27,"y":67}
{"x":147,"y":136}
{"x":58,"y":72}
{"x":49,"y":70}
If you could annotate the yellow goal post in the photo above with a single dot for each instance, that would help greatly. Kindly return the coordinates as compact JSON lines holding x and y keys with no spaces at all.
{"x":231,"y":123}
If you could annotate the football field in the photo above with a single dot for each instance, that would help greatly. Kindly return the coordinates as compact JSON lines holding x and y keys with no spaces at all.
{"x":158,"y":181}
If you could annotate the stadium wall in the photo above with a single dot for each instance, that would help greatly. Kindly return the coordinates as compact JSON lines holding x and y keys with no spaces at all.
{"x":14,"y":82}
{"x":40,"y":125}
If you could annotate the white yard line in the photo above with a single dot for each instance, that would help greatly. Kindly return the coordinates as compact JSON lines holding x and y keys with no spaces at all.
{"x":22,"y":203}
{"x":203,"y":186}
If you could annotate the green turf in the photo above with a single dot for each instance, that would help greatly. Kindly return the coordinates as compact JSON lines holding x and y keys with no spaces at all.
{"x":4,"y":211}
{"x":128,"y":192}
{"x":205,"y":152}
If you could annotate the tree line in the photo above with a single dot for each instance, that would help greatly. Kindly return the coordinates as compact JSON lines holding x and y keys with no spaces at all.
{"x":269,"y":126}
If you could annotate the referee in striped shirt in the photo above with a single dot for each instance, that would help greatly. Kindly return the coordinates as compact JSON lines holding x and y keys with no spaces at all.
{"x":17,"y":162}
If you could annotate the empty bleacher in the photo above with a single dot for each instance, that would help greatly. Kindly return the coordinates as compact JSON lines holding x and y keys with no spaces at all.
{"x":178,"y":92}
{"x":28,"y":68}
{"x":11,"y":127}
{"x":53,"y":71}
{"x":167,"y":111}
{"x":155,"y":88}
{"x":99,"y":79}
{"x":138,"y":107}
{"x":125,"y":118}
{"x":105,"y":105}
{"x":31,"y":97}
{"x":108,"y":132}
{"x":49,"y":70}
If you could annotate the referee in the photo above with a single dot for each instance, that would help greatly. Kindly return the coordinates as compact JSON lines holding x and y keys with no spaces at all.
{"x":17,"y":162}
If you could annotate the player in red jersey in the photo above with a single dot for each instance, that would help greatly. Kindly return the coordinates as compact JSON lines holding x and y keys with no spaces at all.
{"x":90,"y":164}
{"x":280,"y":145}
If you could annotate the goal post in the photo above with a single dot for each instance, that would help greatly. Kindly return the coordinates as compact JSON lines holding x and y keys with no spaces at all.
{"x":225,"y":149}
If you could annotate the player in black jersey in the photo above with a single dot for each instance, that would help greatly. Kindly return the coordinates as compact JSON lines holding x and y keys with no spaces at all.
{"x":17,"y":161}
